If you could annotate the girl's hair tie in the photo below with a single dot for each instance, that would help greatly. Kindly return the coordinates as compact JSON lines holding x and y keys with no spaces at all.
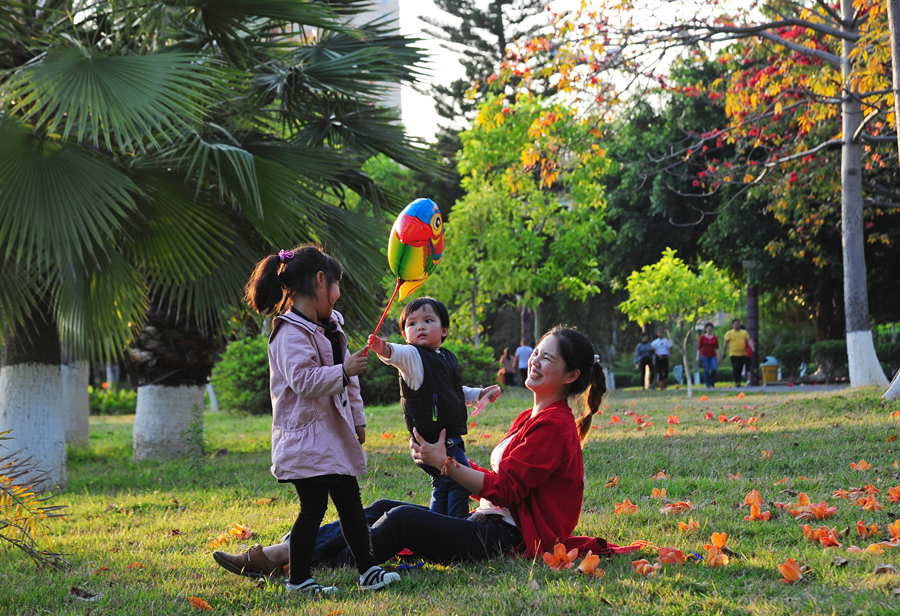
{"x":596,"y":359}
{"x":285,"y":254}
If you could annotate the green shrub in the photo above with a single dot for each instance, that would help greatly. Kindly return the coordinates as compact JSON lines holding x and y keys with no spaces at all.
{"x":479,"y":366}
{"x":241,"y":377}
{"x":112,"y":401}
{"x":790,"y":356}
{"x":627,"y":379}
{"x":831,"y":357}
{"x":889,"y":353}
{"x":379,"y":383}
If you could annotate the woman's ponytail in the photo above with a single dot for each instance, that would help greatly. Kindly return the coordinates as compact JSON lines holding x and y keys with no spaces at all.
{"x":595,"y":392}
{"x":578,"y":354}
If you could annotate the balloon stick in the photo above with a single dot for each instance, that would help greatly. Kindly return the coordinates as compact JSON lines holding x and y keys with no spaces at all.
{"x":377,"y":327}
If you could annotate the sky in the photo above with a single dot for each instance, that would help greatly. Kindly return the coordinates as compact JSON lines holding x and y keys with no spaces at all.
{"x":418,"y":112}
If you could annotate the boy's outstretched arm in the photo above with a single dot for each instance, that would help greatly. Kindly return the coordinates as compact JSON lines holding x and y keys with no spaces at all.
{"x":380,"y":346}
{"x":490,"y":393}
{"x":480,"y":397}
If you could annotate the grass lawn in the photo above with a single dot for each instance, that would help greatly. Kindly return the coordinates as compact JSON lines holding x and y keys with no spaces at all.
{"x":139,"y":535}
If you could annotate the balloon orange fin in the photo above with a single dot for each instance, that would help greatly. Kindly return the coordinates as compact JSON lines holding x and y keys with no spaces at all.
{"x":408,"y":286}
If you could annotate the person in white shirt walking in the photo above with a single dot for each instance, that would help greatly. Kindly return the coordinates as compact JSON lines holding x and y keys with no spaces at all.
{"x":661,"y":347}
{"x":523,"y":353}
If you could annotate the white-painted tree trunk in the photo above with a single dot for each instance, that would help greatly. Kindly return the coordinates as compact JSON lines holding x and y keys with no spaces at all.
{"x":162,"y":421}
{"x":30,"y":406}
{"x":893,"y":392}
{"x":864,"y":366}
{"x":75,"y":403}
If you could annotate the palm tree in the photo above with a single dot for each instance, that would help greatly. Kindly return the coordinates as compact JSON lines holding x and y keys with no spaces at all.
{"x":149,"y":154}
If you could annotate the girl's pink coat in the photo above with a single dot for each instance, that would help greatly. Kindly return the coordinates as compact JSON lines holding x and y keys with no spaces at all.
{"x":314,"y":416}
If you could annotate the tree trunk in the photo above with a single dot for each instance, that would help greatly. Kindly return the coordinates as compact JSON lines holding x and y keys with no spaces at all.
{"x":684,"y":361}
{"x":171,"y":360}
{"x":525,"y":322}
{"x":75,"y":402}
{"x":893,"y":392}
{"x":753,"y":330}
{"x":475,"y":310}
{"x":864,"y":366}
{"x":30,"y":393}
{"x":893,"y":13}
{"x":162,"y":423}
{"x":537,"y":324}
{"x":829,"y":309}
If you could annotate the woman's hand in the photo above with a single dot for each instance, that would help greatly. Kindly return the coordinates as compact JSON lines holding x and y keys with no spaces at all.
{"x":430,"y":454}
{"x":361,"y":434}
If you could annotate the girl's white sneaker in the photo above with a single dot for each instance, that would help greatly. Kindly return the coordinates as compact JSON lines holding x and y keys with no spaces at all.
{"x":310,"y":587}
{"x":377,"y":578}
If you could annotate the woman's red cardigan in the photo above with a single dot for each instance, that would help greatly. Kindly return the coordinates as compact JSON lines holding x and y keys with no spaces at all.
{"x":541,"y":481}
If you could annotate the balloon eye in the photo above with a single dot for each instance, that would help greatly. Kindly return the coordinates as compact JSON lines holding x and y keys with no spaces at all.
{"x":436,"y":223}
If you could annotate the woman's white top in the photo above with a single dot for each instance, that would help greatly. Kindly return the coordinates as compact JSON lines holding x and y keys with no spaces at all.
{"x":486,"y":507}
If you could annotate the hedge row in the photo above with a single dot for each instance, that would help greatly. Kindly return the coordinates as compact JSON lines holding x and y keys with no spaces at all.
{"x":241,"y":377}
{"x":831,"y":357}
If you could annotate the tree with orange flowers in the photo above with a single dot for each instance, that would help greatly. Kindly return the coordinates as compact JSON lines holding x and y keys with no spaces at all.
{"x":814,"y":66}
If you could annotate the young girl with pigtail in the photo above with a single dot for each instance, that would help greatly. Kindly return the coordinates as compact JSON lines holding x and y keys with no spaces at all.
{"x":318,"y":422}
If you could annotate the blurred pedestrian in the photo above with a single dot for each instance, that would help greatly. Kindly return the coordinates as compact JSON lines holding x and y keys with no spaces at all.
{"x":508,"y":363}
{"x":707,"y":350}
{"x":737,"y":339}
{"x":661,"y":347}
{"x":643,"y":361}
{"x":523,"y":353}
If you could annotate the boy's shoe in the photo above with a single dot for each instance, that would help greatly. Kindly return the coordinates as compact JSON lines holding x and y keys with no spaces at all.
{"x":252,"y":563}
{"x":377,"y":578}
{"x":310,"y":587}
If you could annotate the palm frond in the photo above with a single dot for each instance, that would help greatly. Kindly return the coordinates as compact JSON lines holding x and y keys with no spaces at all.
{"x":207,"y":299}
{"x":123,"y":102}
{"x":356,"y":241}
{"x":396,"y":58}
{"x":292,"y":207}
{"x":178,"y":234}
{"x":322,"y":163}
{"x":56,"y":201}
{"x":99,"y":307}
{"x":239,"y":26}
{"x":225,"y":168}
{"x":367,"y":130}
{"x":21,"y":286}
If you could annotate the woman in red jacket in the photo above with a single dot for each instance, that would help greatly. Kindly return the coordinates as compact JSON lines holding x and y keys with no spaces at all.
{"x":530,"y":498}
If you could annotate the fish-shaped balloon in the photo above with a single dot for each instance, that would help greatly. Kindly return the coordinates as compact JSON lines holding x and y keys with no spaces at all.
{"x":416,"y":244}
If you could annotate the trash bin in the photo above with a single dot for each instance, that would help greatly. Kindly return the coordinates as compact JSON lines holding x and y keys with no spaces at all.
{"x":769,"y":374}
{"x":769,"y":369}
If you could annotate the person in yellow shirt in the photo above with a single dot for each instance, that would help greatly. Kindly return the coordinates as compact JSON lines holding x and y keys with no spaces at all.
{"x":736,"y":341}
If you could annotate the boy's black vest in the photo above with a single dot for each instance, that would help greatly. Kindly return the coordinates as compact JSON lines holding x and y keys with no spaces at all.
{"x":439,"y":403}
